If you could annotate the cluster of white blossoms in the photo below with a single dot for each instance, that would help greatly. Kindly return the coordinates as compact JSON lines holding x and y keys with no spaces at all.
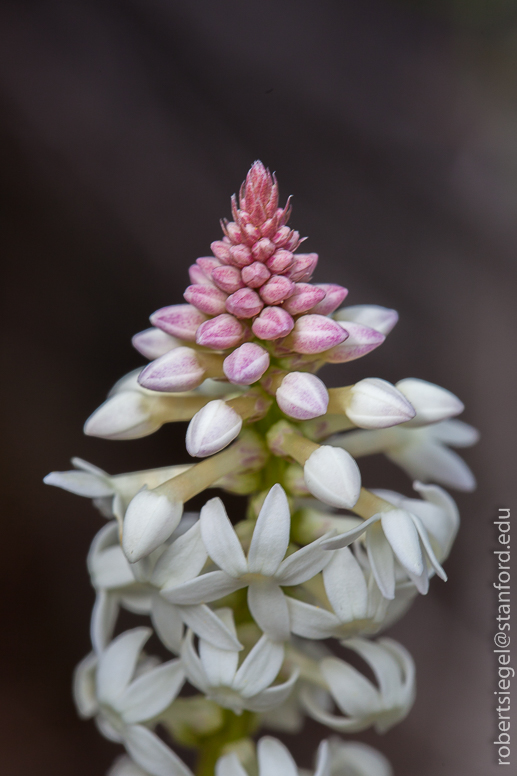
{"x":250,"y":610}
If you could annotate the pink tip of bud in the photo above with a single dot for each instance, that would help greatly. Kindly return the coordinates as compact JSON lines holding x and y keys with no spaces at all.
{"x":221,"y":332}
{"x":280,"y":261}
{"x":221,"y":250}
{"x":227,"y":278}
{"x":361,"y":340}
{"x":251,"y":233}
{"x":263,"y":249}
{"x":256,"y":274}
{"x":153,"y":343}
{"x":240,"y":256}
{"x":304,"y":297}
{"x":315,"y":334}
{"x":246,"y":364}
{"x":180,"y":320}
{"x":277,"y":289}
{"x":244,"y":303}
{"x":272,"y":323}
{"x":302,"y":396}
{"x":197,"y":276}
{"x":334,"y":295}
{"x":233,"y":232}
{"x":178,"y":370}
{"x":208,"y":299}
{"x":282,"y":236}
{"x":303,"y":267}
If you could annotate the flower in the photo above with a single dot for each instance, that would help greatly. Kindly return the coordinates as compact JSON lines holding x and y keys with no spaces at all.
{"x":355,"y":759}
{"x":381,"y":319}
{"x":423,"y":453}
{"x":264,"y":571}
{"x":363,"y":703}
{"x":274,"y":759}
{"x":217,"y":674}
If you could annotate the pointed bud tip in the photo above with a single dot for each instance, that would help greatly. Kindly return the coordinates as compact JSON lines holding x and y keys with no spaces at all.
{"x":149,"y":520}
{"x":212,"y":429}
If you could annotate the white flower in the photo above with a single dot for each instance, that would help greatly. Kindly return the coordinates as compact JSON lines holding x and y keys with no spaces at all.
{"x":137,"y":587}
{"x":363,"y":703}
{"x":432,"y":403}
{"x":263,"y":572}
{"x":111,"y":494}
{"x":423,"y":453}
{"x":217,"y":674}
{"x":274,"y":759}
{"x":332,"y":477}
{"x":379,"y":318}
{"x":358,"y":606}
{"x":122,"y":690}
{"x":355,"y":759}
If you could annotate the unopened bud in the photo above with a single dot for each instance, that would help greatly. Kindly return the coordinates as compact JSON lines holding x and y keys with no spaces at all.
{"x":180,"y":320}
{"x":431,"y":402}
{"x":221,"y":250}
{"x":153,"y":343}
{"x":212,"y":429}
{"x":244,"y":303}
{"x":149,"y":520}
{"x":361,"y":339}
{"x":280,"y":261}
{"x":221,"y":332}
{"x":208,"y":264}
{"x":179,"y":370}
{"x":375,"y":403}
{"x":263,"y":249}
{"x":304,"y":297}
{"x":334,"y":295}
{"x":332,"y":477}
{"x":272,"y":323}
{"x":198,"y":277}
{"x":208,"y":299}
{"x":227,"y":278}
{"x":303,"y":266}
{"x":246,"y":364}
{"x":240,"y":256}
{"x":126,"y":415}
{"x":315,"y":334}
{"x":276,"y":289}
{"x":302,"y":396}
{"x":255,"y":275}
{"x":379,"y":318}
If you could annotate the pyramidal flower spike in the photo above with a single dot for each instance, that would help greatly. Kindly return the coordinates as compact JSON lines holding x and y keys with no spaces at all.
{"x":247,"y":603}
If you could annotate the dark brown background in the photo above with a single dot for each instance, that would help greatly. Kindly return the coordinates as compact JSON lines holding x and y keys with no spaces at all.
{"x":125,"y":128}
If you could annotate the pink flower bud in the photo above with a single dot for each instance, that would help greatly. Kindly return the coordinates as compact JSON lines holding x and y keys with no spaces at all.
{"x":212,"y":429}
{"x":240,"y":256}
{"x":303,"y":267}
{"x":153,"y":343}
{"x":361,"y":339}
{"x":208,"y":264}
{"x":294,"y":241}
{"x":221,"y":333}
{"x":197,"y":276}
{"x":256,"y":274}
{"x":178,"y":370}
{"x":282,"y":236}
{"x":246,"y":364}
{"x":233,"y":232}
{"x":244,"y":303}
{"x":252,"y":234}
{"x":302,"y":396}
{"x":303,"y":298}
{"x":272,"y":323}
{"x":180,"y":320}
{"x":277,"y":289}
{"x":280,"y":261}
{"x":221,"y":250}
{"x":227,"y":278}
{"x":315,"y":334}
{"x":263,"y":249}
{"x":268,"y":228}
{"x":208,"y":299}
{"x":334,"y":295}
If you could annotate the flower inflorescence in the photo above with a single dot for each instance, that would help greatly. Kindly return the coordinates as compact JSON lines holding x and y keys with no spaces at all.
{"x":245,"y":608}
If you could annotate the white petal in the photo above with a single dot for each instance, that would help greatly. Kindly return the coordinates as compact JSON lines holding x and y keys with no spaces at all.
{"x":431,"y":461}
{"x":80,"y":483}
{"x":109,"y":569}
{"x":124,"y":766}
{"x":333,"y":721}
{"x":183,"y":560}
{"x":400,"y":531}
{"x":353,"y":693}
{"x":381,"y":560}
{"x":346,"y":586}
{"x":220,"y":665}
{"x":168,"y":623}
{"x":455,"y":433}
{"x":309,"y":621}
{"x":85,"y":696}
{"x":431,"y":402}
{"x":229,"y":765}
{"x":323,"y":760}
{"x":126,"y":415}
{"x":303,"y":564}
{"x":443,"y":523}
{"x":428,"y":549}
{"x":149,"y":521}
{"x":260,"y":667}
{"x":104,"y":616}
{"x":344,"y":540}
{"x":151,"y":693}
{"x":273,"y":696}
{"x":208,"y":626}
{"x":271,"y":534}
{"x":152,"y":754}
{"x":118,"y":662}
{"x":332,"y":475}
{"x":381,"y":319}
{"x":274,"y":758}
{"x":203,"y":589}
{"x":407,"y":667}
{"x":383,"y":664}
{"x":358,"y":759}
{"x":192,"y":664}
{"x":268,"y":607}
{"x":221,"y":541}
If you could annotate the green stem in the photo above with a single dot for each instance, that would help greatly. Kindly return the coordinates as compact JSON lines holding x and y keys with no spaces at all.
{"x":235,"y":728}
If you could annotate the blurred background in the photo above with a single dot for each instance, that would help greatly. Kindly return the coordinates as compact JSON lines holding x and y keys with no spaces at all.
{"x":125,"y":127}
